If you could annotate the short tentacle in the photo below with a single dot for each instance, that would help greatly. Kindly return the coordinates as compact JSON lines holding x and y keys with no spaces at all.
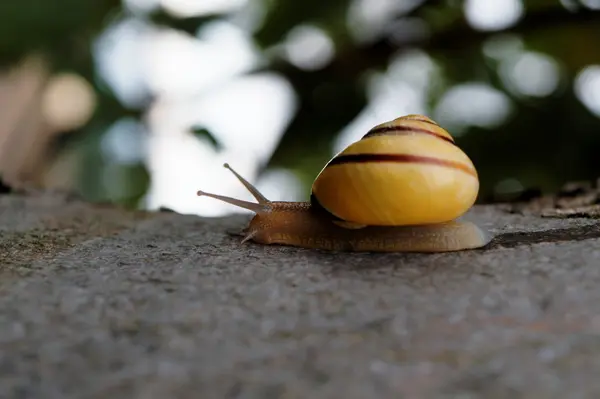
{"x":249,"y":236}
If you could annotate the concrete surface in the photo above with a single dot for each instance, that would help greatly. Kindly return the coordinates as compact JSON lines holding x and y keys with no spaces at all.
{"x":97,"y":302}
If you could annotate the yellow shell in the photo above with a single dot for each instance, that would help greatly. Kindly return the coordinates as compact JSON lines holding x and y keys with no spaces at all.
{"x":404,"y":172}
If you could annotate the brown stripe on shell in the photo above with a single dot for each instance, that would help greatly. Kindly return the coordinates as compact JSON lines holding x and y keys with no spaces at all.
{"x":399,"y":130}
{"x":399,"y":158}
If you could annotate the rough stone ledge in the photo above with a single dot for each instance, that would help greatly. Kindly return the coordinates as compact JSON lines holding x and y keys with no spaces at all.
{"x":99,"y":302}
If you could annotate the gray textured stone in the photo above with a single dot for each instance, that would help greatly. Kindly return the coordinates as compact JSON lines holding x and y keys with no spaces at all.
{"x":98,"y":302}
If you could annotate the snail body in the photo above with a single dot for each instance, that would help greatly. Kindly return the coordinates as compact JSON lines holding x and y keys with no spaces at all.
{"x":398,"y":189}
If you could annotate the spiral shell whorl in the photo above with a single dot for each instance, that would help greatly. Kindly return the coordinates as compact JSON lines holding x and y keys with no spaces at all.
{"x":403,"y":172}
{"x":410,"y":124}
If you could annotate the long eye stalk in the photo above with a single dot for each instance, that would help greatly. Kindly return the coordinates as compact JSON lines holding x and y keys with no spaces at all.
{"x":253,"y":190}
{"x":263,"y":202}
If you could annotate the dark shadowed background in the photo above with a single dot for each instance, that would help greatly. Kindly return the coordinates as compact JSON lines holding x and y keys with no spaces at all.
{"x":141,"y":101}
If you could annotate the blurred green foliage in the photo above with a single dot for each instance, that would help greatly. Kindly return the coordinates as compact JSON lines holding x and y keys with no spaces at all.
{"x":62,"y":29}
{"x":546,"y":142}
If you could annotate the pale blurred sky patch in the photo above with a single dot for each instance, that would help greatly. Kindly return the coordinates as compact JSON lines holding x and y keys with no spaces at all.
{"x":493,"y":14}
{"x":472,"y":104}
{"x":309,"y":47}
{"x":247,"y":115}
{"x":530,"y":73}
{"x":195,"y":80}
{"x":587,"y":88}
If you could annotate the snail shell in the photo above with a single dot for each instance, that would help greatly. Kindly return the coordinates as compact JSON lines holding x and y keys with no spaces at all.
{"x":408,"y":171}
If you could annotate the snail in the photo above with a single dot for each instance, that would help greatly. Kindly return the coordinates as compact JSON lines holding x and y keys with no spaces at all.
{"x":400,"y":188}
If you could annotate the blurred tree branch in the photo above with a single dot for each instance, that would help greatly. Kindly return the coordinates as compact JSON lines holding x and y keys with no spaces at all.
{"x":24,"y":134}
